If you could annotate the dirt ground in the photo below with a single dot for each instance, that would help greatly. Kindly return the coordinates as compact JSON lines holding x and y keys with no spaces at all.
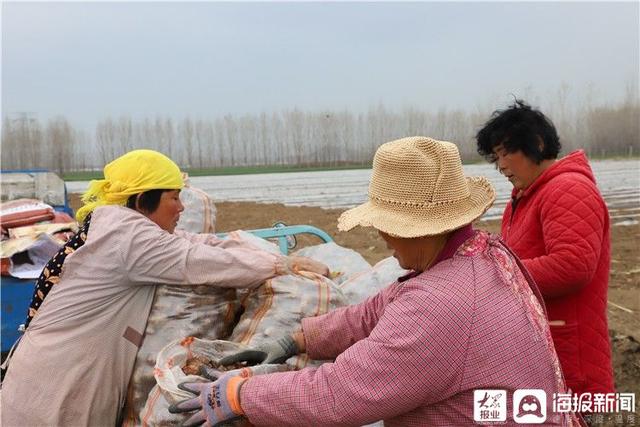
{"x":624,"y":286}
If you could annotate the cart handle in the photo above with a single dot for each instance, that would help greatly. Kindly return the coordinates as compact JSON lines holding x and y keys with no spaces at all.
{"x":286,"y":234}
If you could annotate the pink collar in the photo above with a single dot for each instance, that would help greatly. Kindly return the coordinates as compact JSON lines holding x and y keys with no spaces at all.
{"x":458,"y":237}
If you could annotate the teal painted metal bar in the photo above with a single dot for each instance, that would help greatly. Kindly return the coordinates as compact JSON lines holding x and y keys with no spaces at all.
{"x":284,"y":233}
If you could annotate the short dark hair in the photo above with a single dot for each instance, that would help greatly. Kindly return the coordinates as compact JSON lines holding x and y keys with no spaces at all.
{"x":147,"y":202}
{"x":519,"y":128}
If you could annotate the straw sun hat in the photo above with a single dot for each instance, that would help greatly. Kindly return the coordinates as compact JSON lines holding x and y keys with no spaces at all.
{"x":418,"y":189}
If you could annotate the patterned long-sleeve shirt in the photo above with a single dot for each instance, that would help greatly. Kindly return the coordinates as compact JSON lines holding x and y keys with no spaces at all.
{"x":414,"y":353}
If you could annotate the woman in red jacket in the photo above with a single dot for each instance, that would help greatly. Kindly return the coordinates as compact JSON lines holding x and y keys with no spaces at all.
{"x":558,"y":224}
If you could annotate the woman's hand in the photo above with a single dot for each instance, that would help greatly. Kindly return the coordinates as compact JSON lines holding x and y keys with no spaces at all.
{"x":275,"y":351}
{"x":214,"y":403}
{"x":301,"y":263}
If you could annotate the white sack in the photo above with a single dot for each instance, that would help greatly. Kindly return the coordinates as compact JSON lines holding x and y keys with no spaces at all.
{"x":206,"y":312}
{"x":199,"y":215}
{"x":342,"y":262}
{"x":360,"y":287}
{"x":169,"y":373}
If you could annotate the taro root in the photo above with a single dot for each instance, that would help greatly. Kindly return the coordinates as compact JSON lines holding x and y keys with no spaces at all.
{"x":231,"y":367}
{"x":193,"y":365}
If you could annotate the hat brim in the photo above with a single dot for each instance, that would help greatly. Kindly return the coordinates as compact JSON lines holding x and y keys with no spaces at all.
{"x":426,"y":220}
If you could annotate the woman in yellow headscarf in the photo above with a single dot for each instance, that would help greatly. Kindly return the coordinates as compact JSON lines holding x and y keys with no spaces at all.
{"x":89,"y":312}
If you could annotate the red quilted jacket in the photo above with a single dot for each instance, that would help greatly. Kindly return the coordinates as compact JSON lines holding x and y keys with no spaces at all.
{"x":559,"y":227}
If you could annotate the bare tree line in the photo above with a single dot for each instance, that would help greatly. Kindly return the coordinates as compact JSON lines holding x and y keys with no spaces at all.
{"x":296,"y":137}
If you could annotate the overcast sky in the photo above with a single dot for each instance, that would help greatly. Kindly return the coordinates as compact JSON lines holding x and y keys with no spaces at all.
{"x":87,"y":61}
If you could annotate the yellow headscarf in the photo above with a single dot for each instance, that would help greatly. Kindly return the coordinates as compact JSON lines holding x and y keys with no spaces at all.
{"x":135,"y":172}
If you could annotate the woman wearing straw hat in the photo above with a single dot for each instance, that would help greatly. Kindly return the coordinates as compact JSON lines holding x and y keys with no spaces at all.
{"x":89,"y":311}
{"x":468,"y":317}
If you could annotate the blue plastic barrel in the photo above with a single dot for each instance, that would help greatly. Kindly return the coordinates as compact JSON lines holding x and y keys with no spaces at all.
{"x":15,"y":296}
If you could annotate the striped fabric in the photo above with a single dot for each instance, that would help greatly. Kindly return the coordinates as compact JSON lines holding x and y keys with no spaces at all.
{"x":414,"y":353}
{"x":278,"y":306}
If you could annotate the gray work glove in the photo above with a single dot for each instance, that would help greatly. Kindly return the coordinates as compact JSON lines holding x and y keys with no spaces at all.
{"x":214,"y":404}
{"x":249,"y":371}
{"x":269,"y":352}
